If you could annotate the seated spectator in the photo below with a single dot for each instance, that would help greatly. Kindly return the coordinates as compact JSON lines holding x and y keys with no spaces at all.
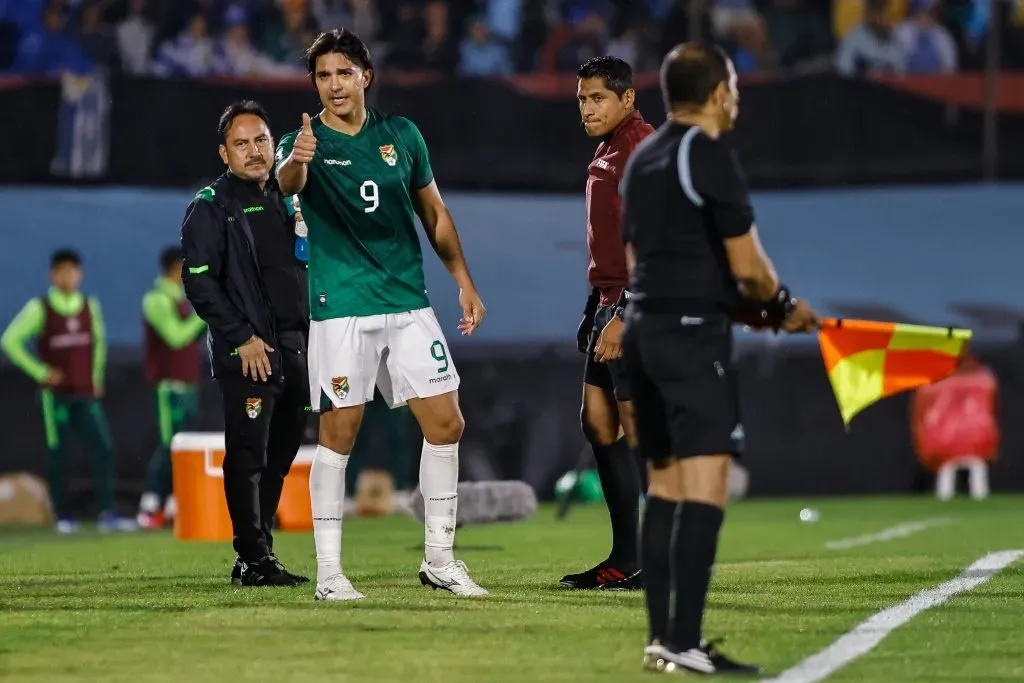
{"x":289,"y":30}
{"x":481,"y":54}
{"x":50,"y":49}
{"x":135,"y":39}
{"x":849,"y":14}
{"x":872,"y":47}
{"x":97,"y":37}
{"x":928,"y":44}
{"x":800,"y":34}
{"x":238,"y":57}
{"x":190,"y":54}
{"x":738,"y":26}
{"x":582,"y":37}
{"x":357,"y":16}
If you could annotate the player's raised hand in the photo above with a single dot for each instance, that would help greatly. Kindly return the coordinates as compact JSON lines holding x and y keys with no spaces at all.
{"x":473,"y":311}
{"x":304,"y":148}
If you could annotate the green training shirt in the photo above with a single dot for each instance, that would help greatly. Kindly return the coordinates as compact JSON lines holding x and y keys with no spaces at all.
{"x":358,"y":204}
{"x":28,"y":325}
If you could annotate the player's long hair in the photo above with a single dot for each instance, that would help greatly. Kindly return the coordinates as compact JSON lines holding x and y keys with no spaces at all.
{"x":340,"y":41}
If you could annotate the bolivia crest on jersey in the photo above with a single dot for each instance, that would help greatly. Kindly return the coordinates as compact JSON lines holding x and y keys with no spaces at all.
{"x":340,"y":386}
{"x":388,"y":154}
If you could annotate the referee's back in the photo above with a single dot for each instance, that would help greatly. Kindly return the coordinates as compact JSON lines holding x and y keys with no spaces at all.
{"x":683,"y":193}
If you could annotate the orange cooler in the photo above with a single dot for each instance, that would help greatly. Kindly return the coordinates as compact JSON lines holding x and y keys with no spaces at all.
{"x":197,"y":459}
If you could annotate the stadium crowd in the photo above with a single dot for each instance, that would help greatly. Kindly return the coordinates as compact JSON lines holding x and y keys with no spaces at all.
{"x":202,"y":38}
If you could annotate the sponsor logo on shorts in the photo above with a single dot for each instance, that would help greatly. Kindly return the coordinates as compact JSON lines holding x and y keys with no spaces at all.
{"x":253,"y":407}
{"x":340,"y":387}
{"x":388,"y":154}
{"x":440,"y":380}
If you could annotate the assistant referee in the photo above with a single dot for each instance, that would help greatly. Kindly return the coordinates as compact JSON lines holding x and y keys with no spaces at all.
{"x":696,"y":267}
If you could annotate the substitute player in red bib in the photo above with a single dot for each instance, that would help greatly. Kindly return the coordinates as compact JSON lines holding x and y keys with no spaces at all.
{"x":606,"y":98}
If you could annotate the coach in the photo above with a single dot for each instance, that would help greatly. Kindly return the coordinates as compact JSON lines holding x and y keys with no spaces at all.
{"x":242,"y":278}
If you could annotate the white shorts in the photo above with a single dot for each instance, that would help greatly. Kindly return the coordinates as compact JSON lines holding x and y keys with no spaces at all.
{"x":404,"y":354}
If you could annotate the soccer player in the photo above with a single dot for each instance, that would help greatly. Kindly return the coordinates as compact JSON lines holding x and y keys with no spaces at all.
{"x":363,"y":176}
{"x":606,"y":99}
{"x":170,"y":342}
{"x":71,"y":342}
{"x":696,"y":266}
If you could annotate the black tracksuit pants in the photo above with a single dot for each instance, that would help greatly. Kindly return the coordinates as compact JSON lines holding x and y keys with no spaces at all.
{"x":263,"y":424}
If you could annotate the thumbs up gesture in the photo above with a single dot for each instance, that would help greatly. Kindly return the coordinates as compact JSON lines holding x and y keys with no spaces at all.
{"x":305,"y":143}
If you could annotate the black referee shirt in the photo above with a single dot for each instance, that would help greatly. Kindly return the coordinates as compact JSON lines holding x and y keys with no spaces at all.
{"x":683,"y":194}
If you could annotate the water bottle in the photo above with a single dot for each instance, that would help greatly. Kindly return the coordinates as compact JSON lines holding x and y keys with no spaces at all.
{"x":301,"y":242}
{"x":301,"y":233}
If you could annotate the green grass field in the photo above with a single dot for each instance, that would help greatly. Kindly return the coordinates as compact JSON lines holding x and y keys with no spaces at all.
{"x":133,"y":608}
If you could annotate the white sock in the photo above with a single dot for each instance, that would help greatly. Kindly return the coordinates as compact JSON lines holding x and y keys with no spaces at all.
{"x":149,"y":503}
{"x":439,"y":482}
{"x":327,"y":499}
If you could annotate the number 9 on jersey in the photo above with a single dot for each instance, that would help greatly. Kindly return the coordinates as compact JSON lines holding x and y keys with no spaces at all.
{"x":368,"y":191}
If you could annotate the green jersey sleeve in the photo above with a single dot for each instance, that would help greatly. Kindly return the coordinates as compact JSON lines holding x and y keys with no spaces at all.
{"x":284,"y":148}
{"x":422,"y":174}
{"x":26,"y":326}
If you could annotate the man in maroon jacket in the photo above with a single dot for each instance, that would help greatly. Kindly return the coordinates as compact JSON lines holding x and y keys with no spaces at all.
{"x":606,"y":98}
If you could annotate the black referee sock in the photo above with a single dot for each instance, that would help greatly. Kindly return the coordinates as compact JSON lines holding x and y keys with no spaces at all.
{"x":620,"y":483}
{"x":656,"y":561}
{"x":694,"y":548}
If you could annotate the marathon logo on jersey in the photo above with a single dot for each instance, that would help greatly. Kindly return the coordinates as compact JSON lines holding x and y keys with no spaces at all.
{"x":338,"y":162}
{"x":253,"y":407}
{"x":388,"y":154}
{"x":340,"y":387}
{"x":440,"y":380}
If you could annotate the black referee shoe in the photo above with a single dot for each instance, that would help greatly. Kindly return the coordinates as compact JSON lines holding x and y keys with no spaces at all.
{"x":266,"y":572}
{"x":298,"y":579}
{"x":236,"y":571}
{"x":605,"y":576}
{"x":705,"y":659}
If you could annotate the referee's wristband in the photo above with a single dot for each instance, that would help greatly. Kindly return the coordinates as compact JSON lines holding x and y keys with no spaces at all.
{"x":781,"y":305}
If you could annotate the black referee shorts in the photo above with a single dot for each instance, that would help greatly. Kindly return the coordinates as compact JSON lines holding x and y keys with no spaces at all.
{"x":612,"y":375}
{"x":685,"y":393}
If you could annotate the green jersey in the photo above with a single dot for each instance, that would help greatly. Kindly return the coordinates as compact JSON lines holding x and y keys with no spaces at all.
{"x":364,"y":248}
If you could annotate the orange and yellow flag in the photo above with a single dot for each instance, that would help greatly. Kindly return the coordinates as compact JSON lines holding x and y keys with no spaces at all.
{"x":867,"y":360}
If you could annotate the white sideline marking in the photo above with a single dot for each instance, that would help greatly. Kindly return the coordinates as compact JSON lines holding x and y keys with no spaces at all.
{"x":869,"y":633}
{"x":898,"y":531}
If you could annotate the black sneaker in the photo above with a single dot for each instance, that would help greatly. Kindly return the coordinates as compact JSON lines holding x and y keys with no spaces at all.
{"x":606,"y":575}
{"x":266,"y":572}
{"x":298,"y":579}
{"x":705,"y":659}
{"x":236,"y":572}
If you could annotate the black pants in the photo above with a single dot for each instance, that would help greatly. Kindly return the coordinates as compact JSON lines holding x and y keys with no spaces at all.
{"x":263,"y":423}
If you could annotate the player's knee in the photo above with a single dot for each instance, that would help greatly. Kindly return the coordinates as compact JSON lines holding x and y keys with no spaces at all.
{"x":338,"y":430}
{"x":445,"y":429}
{"x":599,"y":432}
{"x":628,"y":421}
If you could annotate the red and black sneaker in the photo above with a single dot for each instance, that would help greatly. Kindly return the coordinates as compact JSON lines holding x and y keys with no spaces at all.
{"x":605,"y":576}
